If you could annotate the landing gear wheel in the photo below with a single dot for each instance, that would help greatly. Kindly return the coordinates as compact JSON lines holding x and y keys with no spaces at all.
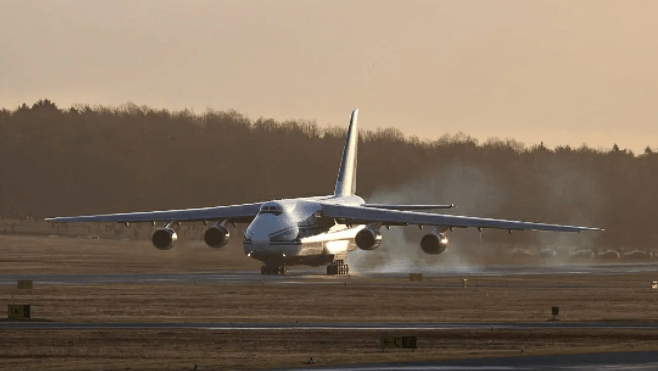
{"x":337,"y":267}
{"x":274,"y":269}
{"x":283,"y":270}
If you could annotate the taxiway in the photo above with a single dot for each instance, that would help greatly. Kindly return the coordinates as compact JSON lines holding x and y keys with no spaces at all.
{"x":360,"y":326}
{"x":315,"y":276}
{"x":580,"y":362}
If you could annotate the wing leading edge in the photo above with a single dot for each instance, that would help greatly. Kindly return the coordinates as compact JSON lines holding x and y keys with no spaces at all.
{"x":366,"y":215}
{"x":235,"y":213}
{"x":409,"y":207}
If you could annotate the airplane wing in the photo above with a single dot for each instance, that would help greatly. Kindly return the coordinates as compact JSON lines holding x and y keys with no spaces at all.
{"x":409,"y":207}
{"x":365,"y":215}
{"x":235,"y":213}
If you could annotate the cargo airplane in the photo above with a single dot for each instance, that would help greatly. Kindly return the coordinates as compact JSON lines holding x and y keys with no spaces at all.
{"x":315,"y":231}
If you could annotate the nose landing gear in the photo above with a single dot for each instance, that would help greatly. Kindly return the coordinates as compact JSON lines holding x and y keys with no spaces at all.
{"x":338,"y":267}
{"x":274,"y":269}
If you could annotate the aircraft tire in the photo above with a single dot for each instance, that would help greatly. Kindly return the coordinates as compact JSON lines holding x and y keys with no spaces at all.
{"x":270,"y":270}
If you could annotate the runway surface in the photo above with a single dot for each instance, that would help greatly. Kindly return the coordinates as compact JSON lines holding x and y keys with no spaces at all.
{"x":364,"y":326}
{"x":581,"y":362}
{"x":316,"y":276}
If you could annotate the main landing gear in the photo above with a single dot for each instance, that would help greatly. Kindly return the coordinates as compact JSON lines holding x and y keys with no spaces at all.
{"x":338,"y":267}
{"x":274,"y":269}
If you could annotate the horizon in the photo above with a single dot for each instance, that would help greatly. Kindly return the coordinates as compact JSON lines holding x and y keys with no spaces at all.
{"x":511,"y":142}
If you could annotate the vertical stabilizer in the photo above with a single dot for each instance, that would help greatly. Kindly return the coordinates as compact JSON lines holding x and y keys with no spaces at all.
{"x":346,"y":182}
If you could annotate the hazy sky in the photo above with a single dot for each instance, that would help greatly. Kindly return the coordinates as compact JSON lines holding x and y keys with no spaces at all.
{"x":562,"y":72}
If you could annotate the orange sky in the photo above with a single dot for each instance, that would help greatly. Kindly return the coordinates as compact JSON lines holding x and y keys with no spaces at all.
{"x":562,"y":72}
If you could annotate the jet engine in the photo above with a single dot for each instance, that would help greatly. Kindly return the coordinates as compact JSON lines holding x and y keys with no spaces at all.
{"x":164,"y":238}
{"x":216,"y":236}
{"x":368,"y":239}
{"x":434,"y":243}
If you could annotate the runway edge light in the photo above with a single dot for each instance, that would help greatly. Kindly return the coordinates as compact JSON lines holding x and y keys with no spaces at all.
{"x":555,"y":311}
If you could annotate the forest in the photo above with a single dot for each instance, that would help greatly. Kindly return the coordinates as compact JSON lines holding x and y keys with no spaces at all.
{"x":91,"y":160}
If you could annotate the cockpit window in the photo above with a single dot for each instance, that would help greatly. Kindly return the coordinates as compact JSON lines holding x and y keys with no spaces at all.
{"x":276,"y":210}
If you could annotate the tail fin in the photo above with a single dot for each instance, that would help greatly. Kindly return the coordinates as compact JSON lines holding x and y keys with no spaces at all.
{"x":346,"y":182}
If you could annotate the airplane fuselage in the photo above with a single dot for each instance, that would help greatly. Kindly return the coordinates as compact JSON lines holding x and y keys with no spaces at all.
{"x":292,"y":232}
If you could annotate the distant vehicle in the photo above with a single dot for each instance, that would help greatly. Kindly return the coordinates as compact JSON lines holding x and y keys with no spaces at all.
{"x":315,"y":231}
{"x":637,"y":255}
{"x":521,"y":252}
{"x":607,"y":255}
{"x":526,"y":253}
{"x":583,"y":255}
{"x":547,"y":253}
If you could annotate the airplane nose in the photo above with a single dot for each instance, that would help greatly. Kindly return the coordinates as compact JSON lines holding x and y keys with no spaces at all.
{"x":259,"y":235}
{"x":260,"y":239}
{"x":267,"y":228}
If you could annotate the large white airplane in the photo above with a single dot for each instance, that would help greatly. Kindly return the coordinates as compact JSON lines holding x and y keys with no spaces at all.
{"x":315,"y":231}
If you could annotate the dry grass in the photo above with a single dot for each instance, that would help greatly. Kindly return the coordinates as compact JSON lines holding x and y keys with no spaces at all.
{"x":62,"y":255}
{"x":222,"y":350}
{"x":597,"y":298}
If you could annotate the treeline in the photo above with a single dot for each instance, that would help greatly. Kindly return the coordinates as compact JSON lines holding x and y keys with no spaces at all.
{"x":88,"y":160}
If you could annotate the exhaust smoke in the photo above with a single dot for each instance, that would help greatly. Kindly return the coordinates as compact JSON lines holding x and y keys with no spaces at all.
{"x":562,"y":196}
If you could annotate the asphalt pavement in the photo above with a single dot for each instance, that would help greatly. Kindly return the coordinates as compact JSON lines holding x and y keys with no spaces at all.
{"x":361,"y":326}
{"x":581,"y":362}
{"x":316,"y":276}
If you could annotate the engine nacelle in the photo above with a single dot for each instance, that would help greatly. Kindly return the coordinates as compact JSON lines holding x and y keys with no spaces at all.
{"x":368,"y":239}
{"x":216,"y":236}
{"x":434,"y":243}
{"x":164,"y":238}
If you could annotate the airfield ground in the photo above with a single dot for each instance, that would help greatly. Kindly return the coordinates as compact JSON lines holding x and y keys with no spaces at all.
{"x":582,"y":298}
{"x":217,"y":350}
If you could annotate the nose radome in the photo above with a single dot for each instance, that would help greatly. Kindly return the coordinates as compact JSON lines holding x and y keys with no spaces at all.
{"x":259,"y":236}
{"x":265,"y":225}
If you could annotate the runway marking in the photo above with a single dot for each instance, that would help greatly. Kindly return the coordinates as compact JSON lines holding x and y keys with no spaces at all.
{"x":412,"y":368}
{"x":596,"y":367}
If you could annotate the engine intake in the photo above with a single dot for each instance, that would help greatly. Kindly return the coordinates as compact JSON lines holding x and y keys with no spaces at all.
{"x":164,"y":238}
{"x":368,"y":239}
{"x":434,"y":243}
{"x":216,"y":236}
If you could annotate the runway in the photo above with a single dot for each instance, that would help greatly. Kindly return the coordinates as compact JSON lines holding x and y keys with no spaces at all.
{"x":317,"y":276}
{"x":581,"y":362}
{"x":363,"y":326}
